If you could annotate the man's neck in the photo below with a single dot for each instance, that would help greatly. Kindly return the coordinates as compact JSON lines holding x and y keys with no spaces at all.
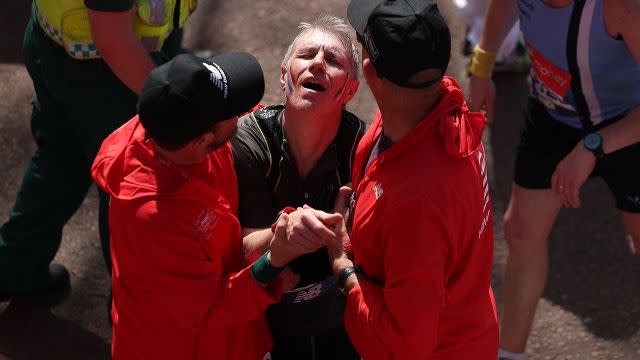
{"x":400,"y":115}
{"x":309,"y":134}
{"x":179,"y":157}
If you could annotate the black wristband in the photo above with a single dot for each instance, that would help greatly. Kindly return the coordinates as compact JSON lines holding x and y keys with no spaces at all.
{"x":345,"y":273}
{"x":262,"y":270}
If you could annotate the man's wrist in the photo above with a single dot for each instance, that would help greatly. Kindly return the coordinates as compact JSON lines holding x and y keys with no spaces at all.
{"x":593,"y":143}
{"x":277,"y":262}
{"x":481,"y":64}
{"x":263,"y":271}
{"x":347,"y":278}
{"x":340,"y":264}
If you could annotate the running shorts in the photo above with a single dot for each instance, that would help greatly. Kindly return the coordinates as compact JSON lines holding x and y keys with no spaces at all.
{"x":544,"y":142}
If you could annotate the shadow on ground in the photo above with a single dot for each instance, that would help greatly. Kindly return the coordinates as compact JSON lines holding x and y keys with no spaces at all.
{"x":32,"y":331}
{"x":592,"y":273}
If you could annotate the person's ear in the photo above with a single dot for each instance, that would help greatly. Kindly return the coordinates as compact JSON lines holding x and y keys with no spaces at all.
{"x":206,"y":138}
{"x":283,"y":77}
{"x":368,"y":69}
{"x":352,"y":88}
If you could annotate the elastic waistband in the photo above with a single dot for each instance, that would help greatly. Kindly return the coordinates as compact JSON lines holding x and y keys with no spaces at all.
{"x":308,"y":292}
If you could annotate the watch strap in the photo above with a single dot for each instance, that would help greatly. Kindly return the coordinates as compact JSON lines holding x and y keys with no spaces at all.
{"x":345,"y":273}
{"x":597,"y":151}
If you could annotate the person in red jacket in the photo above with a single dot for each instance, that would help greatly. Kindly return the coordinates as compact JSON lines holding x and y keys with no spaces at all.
{"x":181,"y":287}
{"x":418,"y":283}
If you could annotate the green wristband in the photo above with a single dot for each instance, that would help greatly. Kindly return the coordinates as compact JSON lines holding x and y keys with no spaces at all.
{"x":262,"y":270}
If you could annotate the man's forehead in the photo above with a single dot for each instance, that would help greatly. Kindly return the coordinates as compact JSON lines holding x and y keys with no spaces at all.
{"x":317,"y":38}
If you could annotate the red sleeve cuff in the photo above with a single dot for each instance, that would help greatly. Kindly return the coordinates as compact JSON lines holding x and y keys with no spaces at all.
{"x":263,"y":296}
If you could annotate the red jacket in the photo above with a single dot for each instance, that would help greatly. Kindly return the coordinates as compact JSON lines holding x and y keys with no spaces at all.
{"x":179,"y":287}
{"x":423,"y":236}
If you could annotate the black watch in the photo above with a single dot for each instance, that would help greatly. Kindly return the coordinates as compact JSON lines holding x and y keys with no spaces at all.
{"x":345,"y":273}
{"x":593,"y":142}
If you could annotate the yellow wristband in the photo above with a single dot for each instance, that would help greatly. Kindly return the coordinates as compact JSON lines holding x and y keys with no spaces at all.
{"x":481,"y":64}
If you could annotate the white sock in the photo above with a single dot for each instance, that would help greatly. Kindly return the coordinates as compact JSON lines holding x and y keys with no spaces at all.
{"x":505,"y":354}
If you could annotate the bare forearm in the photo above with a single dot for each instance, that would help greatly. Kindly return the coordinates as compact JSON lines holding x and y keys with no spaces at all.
{"x":120,"y":48}
{"x":255,"y":242}
{"x":132,"y":69}
{"x":500,"y":17}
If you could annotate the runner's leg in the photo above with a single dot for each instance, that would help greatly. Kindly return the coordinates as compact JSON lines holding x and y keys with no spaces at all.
{"x":632,"y":225}
{"x":527,"y":223}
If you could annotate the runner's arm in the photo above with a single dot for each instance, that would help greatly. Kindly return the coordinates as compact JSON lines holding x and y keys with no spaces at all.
{"x":255,"y":208}
{"x":624,"y":14}
{"x":574,"y":169}
{"x":255,"y":242}
{"x":500,"y":17}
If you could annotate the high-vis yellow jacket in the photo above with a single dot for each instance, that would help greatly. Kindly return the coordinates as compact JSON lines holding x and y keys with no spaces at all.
{"x":67,"y":23}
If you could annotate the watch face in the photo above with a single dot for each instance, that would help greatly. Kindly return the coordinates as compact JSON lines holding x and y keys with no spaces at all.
{"x":592,"y":141}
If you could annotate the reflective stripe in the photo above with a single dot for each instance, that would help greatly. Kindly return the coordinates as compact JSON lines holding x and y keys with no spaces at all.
{"x":78,"y":50}
{"x":49,"y":29}
{"x":82,"y":50}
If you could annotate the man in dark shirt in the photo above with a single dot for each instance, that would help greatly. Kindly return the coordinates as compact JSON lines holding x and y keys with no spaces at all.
{"x":301,"y":153}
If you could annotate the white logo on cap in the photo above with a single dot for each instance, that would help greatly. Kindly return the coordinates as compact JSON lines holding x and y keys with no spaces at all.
{"x":218,"y":78}
{"x":371,"y":46}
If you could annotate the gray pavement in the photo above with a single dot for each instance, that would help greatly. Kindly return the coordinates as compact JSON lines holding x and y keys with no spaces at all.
{"x":590,"y":308}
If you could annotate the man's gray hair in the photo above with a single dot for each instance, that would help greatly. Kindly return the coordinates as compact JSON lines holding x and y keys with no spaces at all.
{"x":333,"y":25}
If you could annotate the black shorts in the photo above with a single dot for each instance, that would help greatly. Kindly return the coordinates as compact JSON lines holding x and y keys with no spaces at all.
{"x":545,"y":142}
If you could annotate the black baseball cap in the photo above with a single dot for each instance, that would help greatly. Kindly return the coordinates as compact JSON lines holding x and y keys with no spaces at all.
{"x":402,"y":37}
{"x":183,"y":98}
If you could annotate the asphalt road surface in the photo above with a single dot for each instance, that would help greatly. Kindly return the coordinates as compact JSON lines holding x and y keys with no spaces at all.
{"x":590,"y":308}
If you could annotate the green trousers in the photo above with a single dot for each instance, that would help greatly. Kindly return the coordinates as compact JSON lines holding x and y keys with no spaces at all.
{"x":78,"y":104}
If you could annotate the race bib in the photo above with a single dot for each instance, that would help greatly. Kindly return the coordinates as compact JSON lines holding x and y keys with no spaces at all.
{"x":550,"y":83}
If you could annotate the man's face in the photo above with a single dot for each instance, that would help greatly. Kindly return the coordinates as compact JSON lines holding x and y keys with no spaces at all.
{"x":219,"y":134}
{"x":223,"y":131}
{"x":319,"y":73}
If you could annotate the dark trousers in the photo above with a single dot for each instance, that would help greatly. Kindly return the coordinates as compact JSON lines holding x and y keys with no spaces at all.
{"x":78,"y":104}
{"x":333,"y":345}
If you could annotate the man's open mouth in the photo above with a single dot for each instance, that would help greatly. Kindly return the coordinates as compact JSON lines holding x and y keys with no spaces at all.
{"x":313,"y":86}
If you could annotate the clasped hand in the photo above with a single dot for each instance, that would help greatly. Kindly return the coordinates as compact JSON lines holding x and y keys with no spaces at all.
{"x":306,"y":230}
{"x":301,"y":232}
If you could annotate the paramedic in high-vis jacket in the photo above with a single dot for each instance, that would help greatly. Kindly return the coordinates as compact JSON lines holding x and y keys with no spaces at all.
{"x":88,"y":60}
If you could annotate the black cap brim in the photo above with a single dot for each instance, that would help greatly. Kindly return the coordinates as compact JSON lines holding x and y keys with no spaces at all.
{"x":358,"y":13}
{"x":246,"y":81}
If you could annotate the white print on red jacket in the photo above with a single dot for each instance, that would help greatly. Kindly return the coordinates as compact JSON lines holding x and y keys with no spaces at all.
{"x":205,"y":223}
{"x":550,"y":83}
{"x":486,"y":208}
